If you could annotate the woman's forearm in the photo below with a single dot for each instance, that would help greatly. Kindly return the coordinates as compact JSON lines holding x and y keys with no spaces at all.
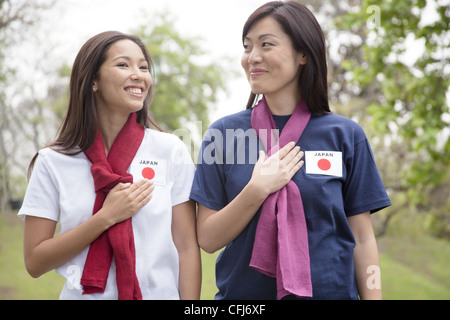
{"x":190,"y":274}
{"x":44,"y":252}
{"x":185,"y":239}
{"x":366,"y":259}
{"x":367,"y":270}
{"x":218,"y":228}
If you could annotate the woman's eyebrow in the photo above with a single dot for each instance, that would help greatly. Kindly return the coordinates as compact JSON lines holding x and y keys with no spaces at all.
{"x":128,"y":58}
{"x":122,"y":57}
{"x":265,"y":35}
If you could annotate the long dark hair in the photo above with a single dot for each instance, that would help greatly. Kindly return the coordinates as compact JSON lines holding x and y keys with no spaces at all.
{"x":79,"y":127}
{"x":299,"y":23}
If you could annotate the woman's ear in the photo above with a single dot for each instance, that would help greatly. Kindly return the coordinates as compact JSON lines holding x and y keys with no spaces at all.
{"x":94,"y":87}
{"x":303,"y":58}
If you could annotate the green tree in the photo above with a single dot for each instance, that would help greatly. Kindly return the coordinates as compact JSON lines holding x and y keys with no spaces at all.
{"x":407,"y":99}
{"x":16,"y":19}
{"x":187,"y":85}
{"x":413,"y":101}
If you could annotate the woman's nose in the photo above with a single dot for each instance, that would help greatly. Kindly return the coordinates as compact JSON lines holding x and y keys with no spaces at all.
{"x":254,"y":56}
{"x":136,"y":74}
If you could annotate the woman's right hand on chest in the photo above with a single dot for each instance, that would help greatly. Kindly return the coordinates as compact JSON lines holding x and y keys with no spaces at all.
{"x":125,"y":199}
{"x":272,"y":173}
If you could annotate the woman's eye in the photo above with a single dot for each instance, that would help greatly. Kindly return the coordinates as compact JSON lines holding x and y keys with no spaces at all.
{"x":122,"y":65}
{"x":266,"y":44}
{"x":144,"y":68}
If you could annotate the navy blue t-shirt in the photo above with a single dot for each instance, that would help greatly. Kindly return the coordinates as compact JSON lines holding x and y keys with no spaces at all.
{"x":225,"y":165}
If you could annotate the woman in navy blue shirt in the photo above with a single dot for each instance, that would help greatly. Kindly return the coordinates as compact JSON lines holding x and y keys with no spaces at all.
{"x":331,"y":164}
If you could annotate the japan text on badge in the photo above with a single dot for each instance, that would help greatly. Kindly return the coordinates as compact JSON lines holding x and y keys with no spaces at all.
{"x":154,"y":170}
{"x":324,"y":163}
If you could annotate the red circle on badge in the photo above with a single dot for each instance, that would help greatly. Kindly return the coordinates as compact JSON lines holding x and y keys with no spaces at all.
{"x":324,"y":164}
{"x":148,"y":173}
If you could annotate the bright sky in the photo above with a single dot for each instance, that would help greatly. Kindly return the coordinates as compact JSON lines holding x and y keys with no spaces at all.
{"x":219,"y":23}
{"x":70,"y":23}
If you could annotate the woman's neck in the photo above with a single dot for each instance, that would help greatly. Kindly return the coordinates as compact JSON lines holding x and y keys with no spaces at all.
{"x":282,"y":105}
{"x":110,"y":127}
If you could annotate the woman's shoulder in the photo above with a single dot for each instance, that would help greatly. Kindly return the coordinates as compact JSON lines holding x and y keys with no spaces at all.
{"x":167,"y":145}
{"x":162,"y":139}
{"x":334,"y":122}
{"x":54,"y":153}
{"x":337,"y":119}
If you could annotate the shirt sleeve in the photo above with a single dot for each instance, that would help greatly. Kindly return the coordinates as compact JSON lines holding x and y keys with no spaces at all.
{"x":42,"y":195}
{"x":183,"y":174}
{"x":363,"y":189}
{"x":207,"y":188}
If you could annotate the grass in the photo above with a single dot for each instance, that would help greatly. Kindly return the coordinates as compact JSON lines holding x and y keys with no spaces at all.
{"x":414,"y":266}
{"x":15,"y":283}
{"x":403,"y":282}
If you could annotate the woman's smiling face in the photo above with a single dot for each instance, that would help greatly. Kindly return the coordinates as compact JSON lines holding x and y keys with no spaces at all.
{"x":124,"y":79}
{"x":270,"y":62}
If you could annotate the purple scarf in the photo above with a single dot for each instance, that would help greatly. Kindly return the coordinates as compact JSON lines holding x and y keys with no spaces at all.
{"x":281,"y":241}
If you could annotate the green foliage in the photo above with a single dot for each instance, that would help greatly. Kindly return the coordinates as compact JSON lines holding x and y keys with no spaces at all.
{"x":402,"y":282}
{"x":412,"y":94}
{"x":15,"y":283}
{"x":186,"y":85}
{"x":414,"y":264}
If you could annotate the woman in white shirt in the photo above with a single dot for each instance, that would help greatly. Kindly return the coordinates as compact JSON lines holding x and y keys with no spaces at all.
{"x":111,"y":83}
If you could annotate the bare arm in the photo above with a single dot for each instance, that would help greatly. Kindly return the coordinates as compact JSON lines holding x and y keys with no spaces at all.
{"x":185,"y":239}
{"x":218,"y":228}
{"x":44,"y":252}
{"x":367,"y":265}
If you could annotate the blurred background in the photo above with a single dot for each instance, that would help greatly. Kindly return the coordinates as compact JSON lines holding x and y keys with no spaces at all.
{"x":389,"y":70}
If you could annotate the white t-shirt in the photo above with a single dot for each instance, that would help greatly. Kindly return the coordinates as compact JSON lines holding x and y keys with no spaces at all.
{"x":61,"y":188}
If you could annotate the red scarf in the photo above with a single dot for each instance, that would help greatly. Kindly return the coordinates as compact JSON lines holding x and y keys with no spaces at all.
{"x":281,"y":247}
{"x":117,"y":241}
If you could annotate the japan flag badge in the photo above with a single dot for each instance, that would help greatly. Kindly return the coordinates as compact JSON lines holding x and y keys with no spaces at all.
{"x":151,"y":169}
{"x":324,"y":162}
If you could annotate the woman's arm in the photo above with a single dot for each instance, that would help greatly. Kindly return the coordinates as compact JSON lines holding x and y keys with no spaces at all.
{"x":218,"y":228}
{"x":367,"y":265}
{"x":44,"y":252}
{"x":185,"y":239}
